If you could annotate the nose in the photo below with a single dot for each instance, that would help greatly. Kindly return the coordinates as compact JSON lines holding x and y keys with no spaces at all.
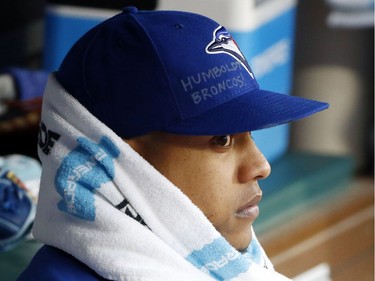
{"x":254,"y":166}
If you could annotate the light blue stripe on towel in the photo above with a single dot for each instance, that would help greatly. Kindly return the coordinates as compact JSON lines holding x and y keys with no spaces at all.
{"x":82,"y":171}
{"x":254,"y":253}
{"x":219,"y":259}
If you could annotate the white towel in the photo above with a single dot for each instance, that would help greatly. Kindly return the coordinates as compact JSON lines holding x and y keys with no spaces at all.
{"x":104,"y":204}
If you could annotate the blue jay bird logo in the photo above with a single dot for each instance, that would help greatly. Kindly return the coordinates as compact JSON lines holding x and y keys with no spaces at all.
{"x":223,"y":42}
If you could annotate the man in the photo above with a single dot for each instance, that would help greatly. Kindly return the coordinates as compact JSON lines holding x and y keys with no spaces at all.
{"x":149,"y":168}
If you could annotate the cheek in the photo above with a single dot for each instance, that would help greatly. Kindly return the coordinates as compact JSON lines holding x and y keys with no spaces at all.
{"x":207,"y":179}
{"x":211,"y":190}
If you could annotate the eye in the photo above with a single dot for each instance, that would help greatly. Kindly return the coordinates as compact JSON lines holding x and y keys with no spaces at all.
{"x":224,"y":40}
{"x":222,"y":141}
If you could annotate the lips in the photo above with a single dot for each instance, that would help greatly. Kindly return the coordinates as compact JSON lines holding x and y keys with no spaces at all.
{"x":250,"y":210}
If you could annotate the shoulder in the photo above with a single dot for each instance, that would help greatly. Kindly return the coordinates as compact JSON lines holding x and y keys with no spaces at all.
{"x":52,"y":264}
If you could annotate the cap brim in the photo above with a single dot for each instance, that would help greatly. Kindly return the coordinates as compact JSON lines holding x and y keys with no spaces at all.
{"x":257,"y":110}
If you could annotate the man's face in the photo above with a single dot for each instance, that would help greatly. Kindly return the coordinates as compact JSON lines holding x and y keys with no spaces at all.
{"x":218,"y":173}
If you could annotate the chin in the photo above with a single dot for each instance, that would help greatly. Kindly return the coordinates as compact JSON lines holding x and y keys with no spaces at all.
{"x":243,"y":248}
{"x":242,"y":243}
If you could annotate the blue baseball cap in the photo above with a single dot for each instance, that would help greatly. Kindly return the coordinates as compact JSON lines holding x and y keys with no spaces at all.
{"x":171,"y":71}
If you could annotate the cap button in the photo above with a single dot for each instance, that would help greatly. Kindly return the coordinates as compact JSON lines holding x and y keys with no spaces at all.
{"x":130,"y":10}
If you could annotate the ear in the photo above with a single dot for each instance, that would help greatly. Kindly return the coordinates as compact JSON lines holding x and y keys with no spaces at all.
{"x":141,"y":143}
{"x":134,"y":143}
